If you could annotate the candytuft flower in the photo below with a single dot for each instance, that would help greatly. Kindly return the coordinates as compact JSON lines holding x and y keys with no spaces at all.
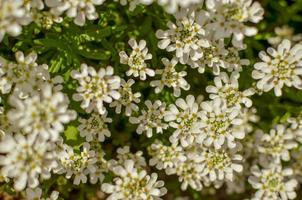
{"x":42,"y":115}
{"x":96,"y":87}
{"x":131,"y":183}
{"x":136,"y":60}
{"x":170,"y":78}
{"x":279,"y":67}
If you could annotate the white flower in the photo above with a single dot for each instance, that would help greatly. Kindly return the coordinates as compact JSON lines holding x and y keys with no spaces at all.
{"x":26,"y":160}
{"x":77,"y":9}
{"x":281,"y":67}
{"x":228,"y":18}
{"x":96,"y":87}
{"x":173,"y":6}
{"x":296,"y":126}
{"x":186,"y":37}
{"x":221,"y":164}
{"x":151,"y":118}
{"x":227,"y":88}
{"x":95,"y":127}
{"x":13,"y":17}
{"x":284,"y":32}
{"x":34,"y":4}
{"x":136,"y":60}
{"x":43,"y":115}
{"x":273,"y":183}
{"x":127,"y":99}
{"x":233,"y":61}
{"x":170,"y":78}
{"x":213,"y":56}
{"x":131,"y":183}
{"x":248,"y":116}
{"x":123,"y":154}
{"x":190,"y":173}
{"x":46,"y":19}
{"x":5,"y":126}
{"x":220,"y":125}
{"x":134,"y":3}
{"x":278,"y":143}
{"x":185,"y":119}
{"x":165,"y":156}
{"x":25,"y":76}
{"x":36,"y":193}
{"x":79,"y":165}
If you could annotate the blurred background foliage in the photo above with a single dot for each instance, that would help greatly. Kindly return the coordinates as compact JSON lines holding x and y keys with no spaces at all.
{"x":65,"y":46}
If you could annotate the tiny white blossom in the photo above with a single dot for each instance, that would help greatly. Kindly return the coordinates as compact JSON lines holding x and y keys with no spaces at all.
{"x":24,"y":76}
{"x":173,"y":6}
{"x":123,"y":154}
{"x":13,"y":17}
{"x":136,"y":60}
{"x":43,"y":115}
{"x":277,"y":143}
{"x":128,"y":99}
{"x":281,"y":67}
{"x":79,"y":165}
{"x":151,"y":118}
{"x":36,"y":193}
{"x":165,"y":156}
{"x":221,"y":164}
{"x":170,"y":78}
{"x":96,"y":87}
{"x":228,"y":18}
{"x":284,"y":32}
{"x":134,"y":3}
{"x":220,"y":125}
{"x":273,"y":183}
{"x":184,"y":118}
{"x":186,"y":38}
{"x":95,"y":127}
{"x":131,"y":183}
{"x":79,"y":10}
{"x":190,"y":173}
{"x":227,"y":88}
{"x":26,"y":160}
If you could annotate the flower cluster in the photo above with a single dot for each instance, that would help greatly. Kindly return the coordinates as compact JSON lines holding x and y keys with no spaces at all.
{"x":138,"y":115}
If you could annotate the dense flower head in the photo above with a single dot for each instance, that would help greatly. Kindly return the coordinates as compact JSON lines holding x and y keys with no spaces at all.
{"x":221,"y":164}
{"x":123,"y":154}
{"x":229,"y":17}
{"x":227,"y":88}
{"x":13,"y":17}
{"x":184,"y":117}
{"x":136,"y":60}
{"x":273,"y":183}
{"x":165,"y":156}
{"x":278,"y":143}
{"x":170,"y":78}
{"x":220,"y":125}
{"x":128,"y":99}
{"x":96,"y":87}
{"x":23,"y":76}
{"x":150,"y":118}
{"x":75,"y":164}
{"x":281,"y":66}
{"x":26,"y":159}
{"x":186,"y":37}
{"x":95,"y":127}
{"x":131,"y":183}
{"x":42,"y":115}
{"x":77,"y":9}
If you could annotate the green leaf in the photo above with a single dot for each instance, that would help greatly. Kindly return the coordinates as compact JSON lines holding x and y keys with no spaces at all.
{"x":71,"y":133}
